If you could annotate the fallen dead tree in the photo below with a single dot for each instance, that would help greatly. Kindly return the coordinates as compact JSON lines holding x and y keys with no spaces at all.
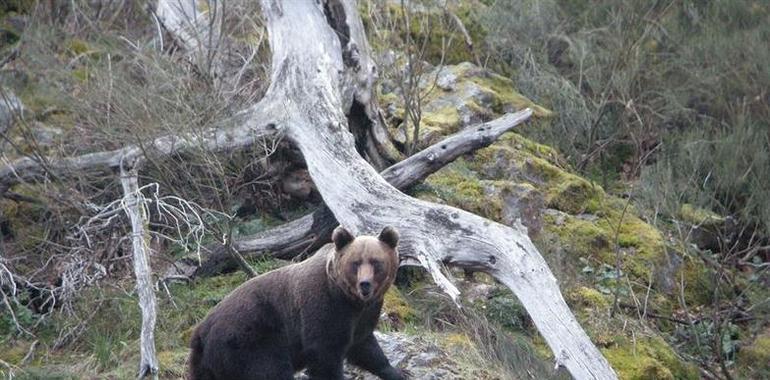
{"x":310,"y":232}
{"x":319,"y":92}
{"x":310,"y":87}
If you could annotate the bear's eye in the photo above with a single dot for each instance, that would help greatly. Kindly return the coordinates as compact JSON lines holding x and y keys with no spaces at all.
{"x":356,"y":264}
{"x":377,"y":265}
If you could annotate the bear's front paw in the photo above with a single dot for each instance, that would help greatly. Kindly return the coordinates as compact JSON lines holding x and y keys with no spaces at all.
{"x":402,"y":374}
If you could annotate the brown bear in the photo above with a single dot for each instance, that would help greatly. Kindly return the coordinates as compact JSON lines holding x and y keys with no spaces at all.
{"x":313,"y":314}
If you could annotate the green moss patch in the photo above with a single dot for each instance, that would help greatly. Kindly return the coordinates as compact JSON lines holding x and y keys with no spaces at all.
{"x":699,"y":282}
{"x":517,"y":158}
{"x":458,"y":186}
{"x":647,"y":358}
{"x":398,"y":310}
{"x":754,"y":359}
{"x":506,"y":99}
{"x":699,"y":216}
{"x":173,"y":364}
{"x":589,"y":298}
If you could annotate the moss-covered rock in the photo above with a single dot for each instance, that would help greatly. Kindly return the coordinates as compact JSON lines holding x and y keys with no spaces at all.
{"x":460,"y":187}
{"x":647,"y":358}
{"x":754,"y":358}
{"x":594,"y":225}
{"x":591,"y":227}
{"x":695,"y":215}
{"x":699,"y":282}
{"x":589,"y":297}
{"x":430,"y":27}
{"x":516,"y":158}
{"x":453,"y":97}
{"x":706,"y":228}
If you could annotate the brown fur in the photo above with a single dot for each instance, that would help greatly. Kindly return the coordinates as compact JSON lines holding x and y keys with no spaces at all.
{"x":310,"y":315}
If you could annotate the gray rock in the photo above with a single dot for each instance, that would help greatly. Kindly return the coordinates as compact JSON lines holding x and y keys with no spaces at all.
{"x":422,"y":359}
{"x":559,"y":216}
{"x":45,"y":135}
{"x":478,"y":292}
{"x":446,"y":79}
{"x":526,"y":204}
{"x":519,"y":203}
{"x":10,"y":108}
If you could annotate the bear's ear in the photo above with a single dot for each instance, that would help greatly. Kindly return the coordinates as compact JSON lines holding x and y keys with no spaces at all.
{"x":389,"y":236}
{"x":341,"y":237}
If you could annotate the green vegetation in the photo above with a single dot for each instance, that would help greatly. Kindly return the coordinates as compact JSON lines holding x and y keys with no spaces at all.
{"x":647,"y":359}
{"x":755,"y":357}
{"x":645,"y":169}
{"x":433,"y":27}
{"x":106,"y":344}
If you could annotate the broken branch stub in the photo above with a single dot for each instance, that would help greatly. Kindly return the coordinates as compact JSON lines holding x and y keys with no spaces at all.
{"x":308,"y":80}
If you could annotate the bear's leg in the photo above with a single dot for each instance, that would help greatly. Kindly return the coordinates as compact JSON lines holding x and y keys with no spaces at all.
{"x":324,"y":363}
{"x":267,"y":363}
{"x":263,"y":363}
{"x":368,"y":355}
{"x":273,"y":367}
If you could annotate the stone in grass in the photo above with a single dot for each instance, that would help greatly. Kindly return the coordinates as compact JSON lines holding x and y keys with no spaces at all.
{"x":422,"y":359}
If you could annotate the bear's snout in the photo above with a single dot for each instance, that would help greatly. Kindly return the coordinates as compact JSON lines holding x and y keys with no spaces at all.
{"x":365,"y":276}
{"x":365,"y":287}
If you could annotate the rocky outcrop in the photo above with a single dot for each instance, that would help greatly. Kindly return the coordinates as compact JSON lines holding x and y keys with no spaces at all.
{"x":576,"y":222}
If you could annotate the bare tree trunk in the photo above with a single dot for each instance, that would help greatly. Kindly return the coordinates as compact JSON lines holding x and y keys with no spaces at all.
{"x":135,"y":209}
{"x":311,"y":84}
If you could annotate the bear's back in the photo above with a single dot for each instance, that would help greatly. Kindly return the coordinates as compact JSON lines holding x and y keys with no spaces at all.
{"x":275,"y":295}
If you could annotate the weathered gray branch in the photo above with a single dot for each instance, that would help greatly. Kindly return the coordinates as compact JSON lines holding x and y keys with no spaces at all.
{"x":431,"y":159}
{"x":197,"y":26}
{"x":135,"y":209}
{"x":310,"y":81}
{"x":247,"y":130}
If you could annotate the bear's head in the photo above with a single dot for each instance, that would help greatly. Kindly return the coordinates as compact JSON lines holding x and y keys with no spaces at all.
{"x":365,"y":266}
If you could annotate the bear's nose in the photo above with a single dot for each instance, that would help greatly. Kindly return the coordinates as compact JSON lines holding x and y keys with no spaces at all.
{"x":365,"y":286}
